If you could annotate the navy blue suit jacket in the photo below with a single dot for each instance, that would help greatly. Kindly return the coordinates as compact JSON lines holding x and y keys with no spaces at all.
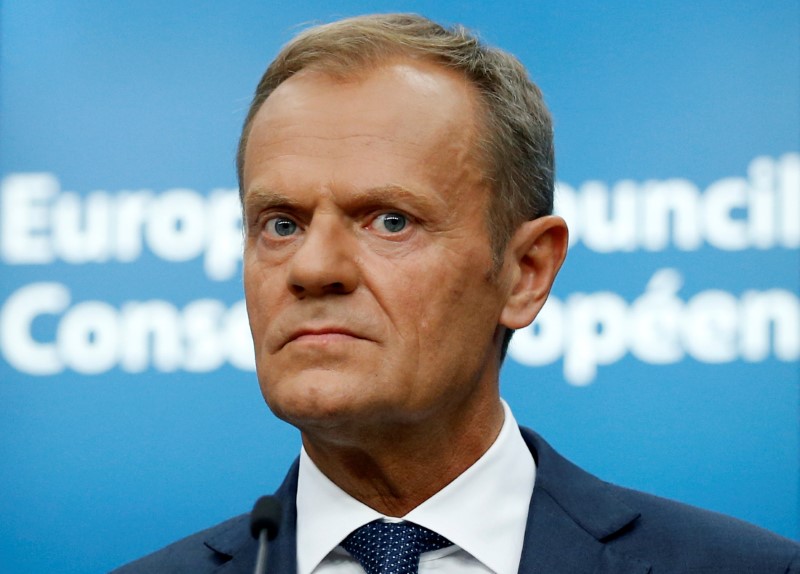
{"x":577,"y":524}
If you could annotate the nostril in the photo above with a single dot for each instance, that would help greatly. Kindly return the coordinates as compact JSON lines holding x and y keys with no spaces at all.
{"x":336,"y":287}
{"x":333,"y":288}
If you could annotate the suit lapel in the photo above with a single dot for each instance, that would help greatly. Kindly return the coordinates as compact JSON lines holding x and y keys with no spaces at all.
{"x":283,"y":550}
{"x":237,"y":548}
{"x":571,"y":519}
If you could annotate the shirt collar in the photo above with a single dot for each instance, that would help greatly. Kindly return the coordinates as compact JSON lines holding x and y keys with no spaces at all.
{"x":484,"y":511}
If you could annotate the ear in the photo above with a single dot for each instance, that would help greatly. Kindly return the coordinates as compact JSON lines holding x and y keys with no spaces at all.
{"x":533,"y":257}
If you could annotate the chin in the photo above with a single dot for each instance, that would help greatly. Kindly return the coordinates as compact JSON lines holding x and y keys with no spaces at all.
{"x":313,"y":400}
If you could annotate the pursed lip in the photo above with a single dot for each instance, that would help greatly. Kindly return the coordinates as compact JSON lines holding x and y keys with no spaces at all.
{"x":321,"y":332}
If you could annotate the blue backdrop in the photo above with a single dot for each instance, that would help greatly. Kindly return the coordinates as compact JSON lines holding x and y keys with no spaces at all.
{"x":667,"y":359}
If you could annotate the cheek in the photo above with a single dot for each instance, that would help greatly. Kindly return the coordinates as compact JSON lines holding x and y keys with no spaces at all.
{"x":252,"y":298}
{"x":461,"y":306}
{"x":433,"y":302}
{"x":260,"y":289}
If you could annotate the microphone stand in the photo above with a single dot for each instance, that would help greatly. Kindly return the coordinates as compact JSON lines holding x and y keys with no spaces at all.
{"x":265,"y":519}
{"x":261,"y":559}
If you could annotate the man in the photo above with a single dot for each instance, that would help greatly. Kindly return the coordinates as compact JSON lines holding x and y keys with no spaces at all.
{"x":397,"y":187}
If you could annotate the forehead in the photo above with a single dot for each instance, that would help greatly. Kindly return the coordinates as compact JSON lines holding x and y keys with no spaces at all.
{"x":406,"y":114}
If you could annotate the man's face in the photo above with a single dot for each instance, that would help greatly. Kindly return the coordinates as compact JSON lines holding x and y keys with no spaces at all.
{"x":367,"y":267}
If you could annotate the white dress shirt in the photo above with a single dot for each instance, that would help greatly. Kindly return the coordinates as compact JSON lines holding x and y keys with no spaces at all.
{"x":483,"y":512}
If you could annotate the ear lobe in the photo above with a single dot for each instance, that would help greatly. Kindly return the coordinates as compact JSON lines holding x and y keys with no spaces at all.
{"x":537,"y":249}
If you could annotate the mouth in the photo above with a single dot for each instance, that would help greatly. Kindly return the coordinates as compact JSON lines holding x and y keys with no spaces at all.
{"x":322,"y":336}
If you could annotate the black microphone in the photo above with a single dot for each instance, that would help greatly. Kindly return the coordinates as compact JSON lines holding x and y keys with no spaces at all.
{"x":264,"y":522}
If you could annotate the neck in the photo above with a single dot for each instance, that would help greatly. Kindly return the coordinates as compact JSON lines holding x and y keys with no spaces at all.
{"x":393,"y":469}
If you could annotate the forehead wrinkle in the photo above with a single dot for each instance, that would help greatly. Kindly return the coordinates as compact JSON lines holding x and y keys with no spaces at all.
{"x":299,"y":134}
{"x":300,"y":145}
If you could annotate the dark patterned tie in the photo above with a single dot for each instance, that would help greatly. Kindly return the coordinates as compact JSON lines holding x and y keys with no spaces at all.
{"x":392,"y":547}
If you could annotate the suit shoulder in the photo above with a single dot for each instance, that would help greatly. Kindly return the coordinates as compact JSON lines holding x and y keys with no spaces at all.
{"x":188,"y":555}
{"x":666,"y":535}
{"x":695,"y":538}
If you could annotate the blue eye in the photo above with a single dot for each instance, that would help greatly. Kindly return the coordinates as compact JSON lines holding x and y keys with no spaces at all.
{"x":281,"y":226}
{"x":392,"y":222}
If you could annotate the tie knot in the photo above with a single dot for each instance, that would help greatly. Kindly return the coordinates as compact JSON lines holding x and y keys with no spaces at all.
{"x":392,"y":547}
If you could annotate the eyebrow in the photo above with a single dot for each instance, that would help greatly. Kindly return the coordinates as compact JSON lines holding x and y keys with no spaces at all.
{"x":391,"y":193}
{"x":259,"y":198}
{"x":263,"y":198}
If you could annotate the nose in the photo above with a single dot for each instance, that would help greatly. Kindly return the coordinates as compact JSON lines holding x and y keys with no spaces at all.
{"x":325,"y":262}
